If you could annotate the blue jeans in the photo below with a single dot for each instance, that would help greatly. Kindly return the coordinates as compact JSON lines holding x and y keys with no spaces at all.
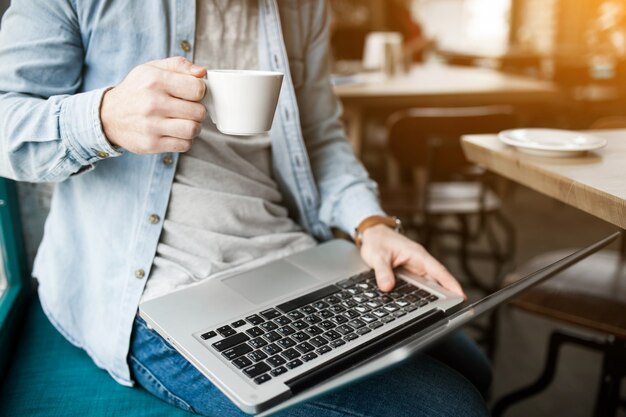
{"x":423,"y":386}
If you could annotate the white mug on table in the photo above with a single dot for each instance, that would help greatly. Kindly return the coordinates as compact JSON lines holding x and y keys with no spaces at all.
{"x":242,"y":102}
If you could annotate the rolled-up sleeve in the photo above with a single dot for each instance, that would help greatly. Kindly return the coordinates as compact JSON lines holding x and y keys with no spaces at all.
{"x":48,"y":131}
{"x":347,"y":193}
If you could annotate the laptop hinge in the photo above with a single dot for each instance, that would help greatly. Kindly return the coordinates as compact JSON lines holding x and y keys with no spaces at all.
{"x":362,"y":353}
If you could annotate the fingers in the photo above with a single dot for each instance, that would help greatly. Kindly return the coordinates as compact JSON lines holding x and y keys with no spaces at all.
{"x":183,"y":109}
{"x":183,"y":86}
{"x":179,"y":128}
{"x":439,"y":273}
{"x":169,"y":144}
{"x":180,"y":65}
{"x":385,"y":278}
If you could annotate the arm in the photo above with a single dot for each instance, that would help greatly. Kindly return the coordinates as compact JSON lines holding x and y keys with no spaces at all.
{"x":348,"y":195}
{"x":47,"y":131}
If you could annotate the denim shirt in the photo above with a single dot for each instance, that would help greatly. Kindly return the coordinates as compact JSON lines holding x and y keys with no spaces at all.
{"x":58,"y":57}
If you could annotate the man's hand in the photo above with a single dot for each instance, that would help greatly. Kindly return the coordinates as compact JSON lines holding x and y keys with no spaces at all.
{"x":384,"y":249}
{"x":156,"y":107}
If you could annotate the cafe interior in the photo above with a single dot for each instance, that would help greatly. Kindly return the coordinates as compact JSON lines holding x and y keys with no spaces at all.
{"x":496,"y":130}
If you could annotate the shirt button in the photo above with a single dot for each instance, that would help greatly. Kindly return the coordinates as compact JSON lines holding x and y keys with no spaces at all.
{"x":140,"y":273}
{"x":167,"y":160}
{"x":102,"y":154}
{"x":185,"y":46}
{"x":153,"y":219}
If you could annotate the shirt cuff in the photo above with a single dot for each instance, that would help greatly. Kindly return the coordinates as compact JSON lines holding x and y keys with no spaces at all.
{"x":356,"y":204}
{"x":81,"y":127}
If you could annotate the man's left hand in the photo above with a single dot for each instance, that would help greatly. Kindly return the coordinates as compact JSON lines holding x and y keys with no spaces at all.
{"x":384,"y":249}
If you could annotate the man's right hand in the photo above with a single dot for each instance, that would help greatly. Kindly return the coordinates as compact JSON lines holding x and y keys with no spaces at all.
{"x":156,"y":108}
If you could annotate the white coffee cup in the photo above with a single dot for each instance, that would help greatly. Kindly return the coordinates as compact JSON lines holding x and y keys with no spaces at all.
{"x":242,"y":102}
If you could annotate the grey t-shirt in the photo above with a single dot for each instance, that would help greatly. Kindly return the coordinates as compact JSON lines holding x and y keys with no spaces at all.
{"x":226,"y":213}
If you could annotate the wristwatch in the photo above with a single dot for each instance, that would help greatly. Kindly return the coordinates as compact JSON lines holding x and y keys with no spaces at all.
{"x":392,"y":222}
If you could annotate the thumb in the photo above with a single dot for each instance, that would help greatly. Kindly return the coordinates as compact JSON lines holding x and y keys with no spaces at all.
{"x":384,"y":274}
{"x":179,"y":64}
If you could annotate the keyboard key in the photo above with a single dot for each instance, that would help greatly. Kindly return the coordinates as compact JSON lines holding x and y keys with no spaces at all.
{"x":290,"y":354}
{"x":332,"y":335}
{"x":271,"y":349}
{"x":380,"y":313}
{"x":336,"y":309}
{"x":295,"y":315}
{"x":236,"y":351}
{"x":229,"y":342}
{"x":242,"y":362}
{"x":391,"y":307}
{"x":282,"y":320}
{"x":276,"y":360}
{"x":410,"y":307}
{"x":404,"y":290}
{"x":361,"y":309}
{"x":364,"y":285}
{"x":286,"y":330}
{"x":402,"y":302}
{"x":350,"y":337}
{"x":370,"y":294}
{"x":272,"y":336}
{"x":356,"y":323}
{"x":399,"y":313}
{"x":387,"y":319}
{"x":320,"y":305}
{"x":256,"y":356}
{"x":344,"y":295}
{"x":256,"y":369}
{"x":314,"y":331}
{"x":363,"y":331}
{"x":278,"y":371}
{"x":309,"y":356}
{"x":255,"y":331}
{"x":354,"y":290}
{"x":344,"y":329}
{"x":339,"y":319}
{"x":226,"y":331}
{"x":261,"y":379}
{"x":300,"y":336}
{"x":294,"y":364}
{"x":337,"y":343}
{"x":350,"y":314}
{"x":312,"y":319}
{"x":308,"y":310}
{"x":325,"y":314}
{"x":375,"y":325}
{"x":411,"y":298}
{"x":257,"y":343}
{"x":326,"y":325}
{"x":254,"y":320}
{"x":373,"y":304}
{"x":238,"y":323}
{"x":432,"y":298}
{"x":332,"y":299}
{"x":422,"y":303}
{"x":299,"y":325}
{"x":286,"y":343}
{"x":422,"y":293}
{"x":308,"y":298}
{"x":385,"y":299}
{"x":208,"y":335}
{"x":269,"y":314}
{"x":323,"y":349}
{"x":318,"y":341}
{"x":368,"y":318}
{"x":305,"y":347}
{"x":268,"y":326}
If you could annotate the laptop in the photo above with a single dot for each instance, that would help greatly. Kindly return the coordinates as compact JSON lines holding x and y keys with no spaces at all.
{"x":312,"y":322}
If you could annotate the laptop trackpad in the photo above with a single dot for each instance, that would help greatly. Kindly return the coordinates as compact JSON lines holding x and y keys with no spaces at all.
{"x":263,"y":284}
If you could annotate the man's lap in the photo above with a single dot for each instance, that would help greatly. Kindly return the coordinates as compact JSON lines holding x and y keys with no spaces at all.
{"x":423,"y":386}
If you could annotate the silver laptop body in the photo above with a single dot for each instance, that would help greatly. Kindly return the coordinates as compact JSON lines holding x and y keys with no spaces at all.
{"x":220,"y":313}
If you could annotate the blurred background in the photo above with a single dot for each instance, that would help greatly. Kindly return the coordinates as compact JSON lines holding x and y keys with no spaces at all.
{"x":413,"y":77}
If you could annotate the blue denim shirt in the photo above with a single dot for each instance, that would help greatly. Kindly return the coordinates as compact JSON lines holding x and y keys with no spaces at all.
{"x":57,"y":57}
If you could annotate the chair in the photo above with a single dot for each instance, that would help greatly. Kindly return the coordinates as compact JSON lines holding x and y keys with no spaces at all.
{"x":590,"y":295}
{"x":42,"y":374}
{"x":424,"y":144}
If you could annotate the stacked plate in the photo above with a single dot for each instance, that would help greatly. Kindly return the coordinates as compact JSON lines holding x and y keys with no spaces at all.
{"x":551,"y":142}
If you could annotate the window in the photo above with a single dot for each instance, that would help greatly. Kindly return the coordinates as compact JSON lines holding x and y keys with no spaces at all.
{"x":3,"y":275}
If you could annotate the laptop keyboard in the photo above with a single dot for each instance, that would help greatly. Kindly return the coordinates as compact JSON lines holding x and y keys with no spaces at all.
{"x":282,"y":338}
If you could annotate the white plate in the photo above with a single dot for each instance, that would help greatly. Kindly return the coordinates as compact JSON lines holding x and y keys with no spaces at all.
{"x":551,"y":142}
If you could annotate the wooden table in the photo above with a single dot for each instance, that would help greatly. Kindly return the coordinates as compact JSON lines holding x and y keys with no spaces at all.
{"x":435,"y":85}
{"x":595,"y":183}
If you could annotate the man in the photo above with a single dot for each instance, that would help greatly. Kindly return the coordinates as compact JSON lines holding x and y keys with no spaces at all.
{"x":151,"y":197}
